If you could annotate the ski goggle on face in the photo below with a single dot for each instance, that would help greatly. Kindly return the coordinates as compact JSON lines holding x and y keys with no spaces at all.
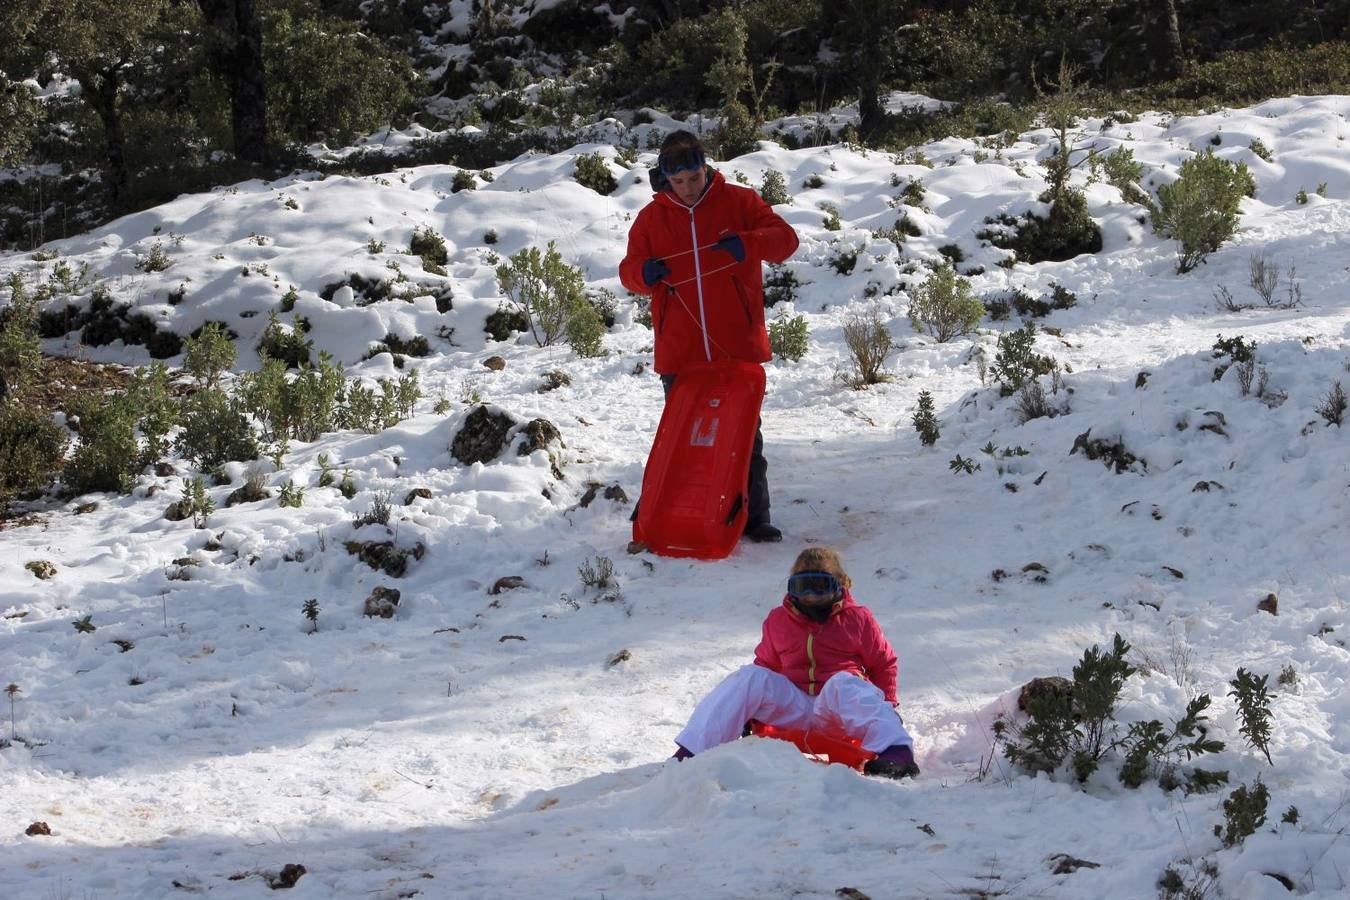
{"x":680,"y":159}
{"x":820,"y":584}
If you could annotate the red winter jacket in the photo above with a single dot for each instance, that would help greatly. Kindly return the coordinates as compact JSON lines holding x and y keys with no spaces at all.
{"x":709,"y":306}
{"x":807,"y":652}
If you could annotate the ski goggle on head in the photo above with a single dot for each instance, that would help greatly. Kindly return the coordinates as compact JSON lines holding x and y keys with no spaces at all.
{"x":680,"y":159}
{"x":820,"y":584}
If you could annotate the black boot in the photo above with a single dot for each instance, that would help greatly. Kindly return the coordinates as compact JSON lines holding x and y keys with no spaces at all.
{"x":762,"y":533}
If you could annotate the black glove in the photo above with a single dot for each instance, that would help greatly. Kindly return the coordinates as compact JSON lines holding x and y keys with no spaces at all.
{"x":732,"y":244}
{"x":654,"y":270}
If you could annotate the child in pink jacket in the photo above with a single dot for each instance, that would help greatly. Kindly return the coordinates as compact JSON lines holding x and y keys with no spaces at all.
{"x":822,"y":663}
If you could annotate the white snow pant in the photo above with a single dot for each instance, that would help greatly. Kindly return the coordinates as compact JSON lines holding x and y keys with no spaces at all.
{"x":845,"y":702}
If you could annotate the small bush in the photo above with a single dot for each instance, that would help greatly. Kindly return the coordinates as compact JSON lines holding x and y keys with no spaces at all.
{"x":780,"y":285}
{"x":1333,"y":405}
{"x":1067,"y":231}
{"x":378,"y":513}
{"x":215,"y":431}
{"x":811,"y":182}
{"x":1200,"y":208}
{"x":106,"y":456}
{"x":20,"y":347}
{"x":32,"y":448}
{"x":546,"y":289}
{"x":157,"y":411}
{"x":869,"y":342}
{"x":788,"y":337}
{"x":503,"y":323}
{"x":592,"y":171}
{"x":490,"y":236}
{"x":844,"y":258}
{"x":287,"y":345}
{"x":1124,"y":174}
{"x":463,"y":181}
{"x":585,"y":328}
{"x":1017,"y":362}
{"x":944,"y":306}
{"x":1260,"y":149}
{"x":1075,"y":726}
{"x":1253,"y":701}
{"x":832,"y":221}
{"x":925,"y":421}
{"x":292,"y":495}
{"x":773,"y":188}
{"x":208,"y":354}
{"x":196,"y":502}
{"x":157,"y":260}
{"x":1244,"y":811}
{"x":1151,"y":749}
{"x":1236,"y":349}
{"x":914,"y":193}
{"x":430,"y":246}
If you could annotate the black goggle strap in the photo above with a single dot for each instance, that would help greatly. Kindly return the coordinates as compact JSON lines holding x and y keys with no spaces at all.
{"x":821,"y":584}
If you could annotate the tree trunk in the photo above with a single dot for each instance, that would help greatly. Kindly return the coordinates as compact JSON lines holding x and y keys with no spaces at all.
{"x":1164,"y":39}
{"x":100,"y":92}
{"x":234,"y":42}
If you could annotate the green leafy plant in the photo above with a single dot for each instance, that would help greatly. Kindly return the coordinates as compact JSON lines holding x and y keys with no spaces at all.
{"x":925,"y":421}
{"x":378,"y":513}
{"x":1076,"y":726}
{"x":430,"y":246}
{"x":945,"y":306}
{"x":32,"y":449}
{"x":196,"y":502}
{"x":1200,"y":208}
{"x":1244,"y":811}
{"x":157,"y":260}
{"x":832,"y":221}
{"x":289,"y":345}
{"x":85,"y":625}
{"x":20,"y":347}
{"x":1236,"y":349}
{"x":215,"y":430}
{"x":592,"y":171}
{"x":310,"y":609}
{"x":325,"y":471}
{"x":1253,"y":702}
{"x":1017,"y":362}
{"x":780,"y":285}
{"x":1124,"y":174}
{"x":347,"y":487}
{"x":959,"y":465}
{"x":292,"y":495}
{"x":107,"y":454}
{"x":546,"y":289}
{"x":1152,"y":749}
{"x":208,"y":354}
{"x":788,"y":337}
{"x":463,"y":181}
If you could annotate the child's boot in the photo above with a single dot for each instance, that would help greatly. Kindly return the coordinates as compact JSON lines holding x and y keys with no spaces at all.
{"x":896,"y":761}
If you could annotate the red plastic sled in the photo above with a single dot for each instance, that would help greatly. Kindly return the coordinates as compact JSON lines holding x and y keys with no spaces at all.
{"x":823,"y":746}
{"x":693,"y":489}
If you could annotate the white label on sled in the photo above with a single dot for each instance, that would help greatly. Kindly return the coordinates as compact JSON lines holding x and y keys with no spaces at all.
{"x":701,"y":436}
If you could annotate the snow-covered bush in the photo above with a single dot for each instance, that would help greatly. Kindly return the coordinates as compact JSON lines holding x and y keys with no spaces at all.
{"x":1017,"y":361}
{"x":1200,"y":208}
{"x":869,"y":342}
{"x":593,"y":172}
{"x":773,"y":188}
{"x":945,"y":306}
{"x":287,"y":345}
{"x":430,"y":246}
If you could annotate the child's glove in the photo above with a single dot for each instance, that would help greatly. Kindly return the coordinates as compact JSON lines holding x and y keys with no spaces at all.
{"x":732,"y":244}
{"x":654,"y":270}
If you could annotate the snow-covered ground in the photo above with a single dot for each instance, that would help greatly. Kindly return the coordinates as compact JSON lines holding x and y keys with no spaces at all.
{"x":488,"y":745}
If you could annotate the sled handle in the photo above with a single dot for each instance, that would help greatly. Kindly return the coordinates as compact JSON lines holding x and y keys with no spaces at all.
{"x":735,"y":508}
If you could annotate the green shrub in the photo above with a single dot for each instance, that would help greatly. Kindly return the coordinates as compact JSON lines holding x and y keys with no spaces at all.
{"x":32,"y":448}
{"x":288,"y":345}
{"x":20,"y":347}
{"x":430,"y":246}
{"x":106,"y":457}
{"x":773,"y":188}
{"x":208,"y":354}
{"x":503,"y":323}
{"x":1244,"y":811}
{"x":156,"y":261}
{"x":585,"y":327}
{"x":328,"y":79}
{"x":832,"y":221}
{"x":1017,"y":362}
{"x":925,"y":421}
{"x":373,"y":411}
{"x":463,"y":181}
{"x":737,"y":134}
{"x":1076,"y":725}
{"x":1200,"y":208}
{"x":215,"y":430}
{"x":592,"y":171}
{"x":780,"y":285}
{"x":1065,"y":232}
{"x":1253,"y":701}
{"x":945,"y":306}
{"x":1150,"y":749}
{"x":788,"y":337}
{"x":1260,"y":149}
{"x":157,"y":411}
{"x":546,"y":289}
{"x":1124,"y":174}
{"x":292,"y":495}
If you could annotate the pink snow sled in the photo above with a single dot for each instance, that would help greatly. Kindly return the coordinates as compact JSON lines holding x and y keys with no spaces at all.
{"x":821,"y":746}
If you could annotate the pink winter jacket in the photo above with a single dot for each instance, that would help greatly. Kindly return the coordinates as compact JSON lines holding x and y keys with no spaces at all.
{"x":810,"y":652}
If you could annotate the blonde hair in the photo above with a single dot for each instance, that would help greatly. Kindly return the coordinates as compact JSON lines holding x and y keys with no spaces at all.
{"x":822,"y":559}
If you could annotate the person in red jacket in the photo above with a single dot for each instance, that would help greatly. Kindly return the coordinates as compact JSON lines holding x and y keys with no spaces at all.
{"x":696,"y":249}
{"x":823,"y":662}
